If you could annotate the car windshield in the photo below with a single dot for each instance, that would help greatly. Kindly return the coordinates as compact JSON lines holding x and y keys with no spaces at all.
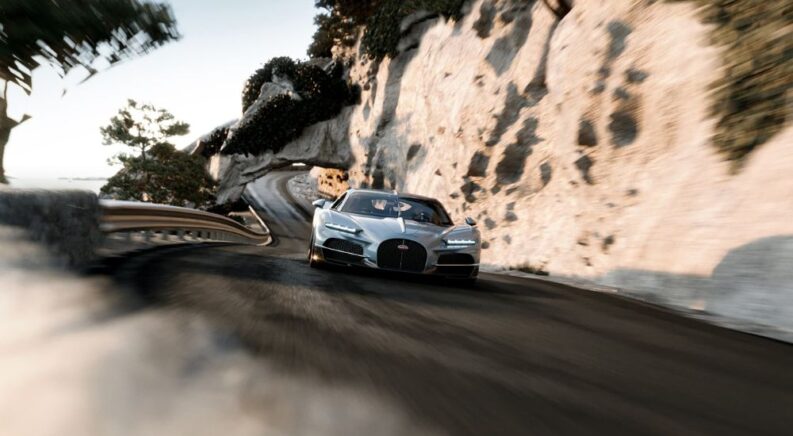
{"x":386,"y":205}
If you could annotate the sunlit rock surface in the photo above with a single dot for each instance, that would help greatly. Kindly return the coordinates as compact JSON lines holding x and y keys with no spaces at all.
{"x":582,"y":146}
{"x":323,"y":144}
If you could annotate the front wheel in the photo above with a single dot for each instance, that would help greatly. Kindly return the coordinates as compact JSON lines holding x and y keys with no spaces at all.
{"x":313,"y":262}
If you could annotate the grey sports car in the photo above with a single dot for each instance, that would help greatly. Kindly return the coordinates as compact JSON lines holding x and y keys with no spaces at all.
{"x":396,"y":232}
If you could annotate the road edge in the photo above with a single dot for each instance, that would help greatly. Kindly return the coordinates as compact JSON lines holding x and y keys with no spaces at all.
{"x":738,"y":325}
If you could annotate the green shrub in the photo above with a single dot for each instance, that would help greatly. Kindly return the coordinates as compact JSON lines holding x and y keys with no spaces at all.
{"x":283,"y":118}
{"x":382,"y":33}
{"x":753,"y":96}
{"x":381,"y":37}
{"x":165,"y":176}
{"x":211,"y":145}
{"x":250,"y":92}
{"x":238,"y":205}
{"x":279,"y":121}
{"x":356,"y":10}
{"x":332,"y":30}
{"x":381,"y":18}
{"x":324,"y":37}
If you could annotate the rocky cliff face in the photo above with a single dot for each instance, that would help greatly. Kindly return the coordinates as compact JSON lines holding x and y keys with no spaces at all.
{"x":584,"y":147}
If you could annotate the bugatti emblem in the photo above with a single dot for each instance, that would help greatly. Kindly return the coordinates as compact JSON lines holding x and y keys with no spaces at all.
{"x":403,"y":247}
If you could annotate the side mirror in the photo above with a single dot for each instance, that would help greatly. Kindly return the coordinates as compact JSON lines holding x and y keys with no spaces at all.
{"x":470,"y":221}
{"x":319,"y":203}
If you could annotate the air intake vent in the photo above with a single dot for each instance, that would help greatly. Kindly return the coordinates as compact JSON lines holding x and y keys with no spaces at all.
{"x":455,"y":259}
{"x":342,"y":246}
{"x":346,"y":246}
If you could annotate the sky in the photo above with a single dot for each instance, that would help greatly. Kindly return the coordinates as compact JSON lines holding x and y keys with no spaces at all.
{"x":198,"y":78}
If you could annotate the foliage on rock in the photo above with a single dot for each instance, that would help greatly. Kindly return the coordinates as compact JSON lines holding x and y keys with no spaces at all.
{"x":165,"y":176}
{"x":211,"y":145}
{"x":332,"y":30}
{"x":283,"y":66}
{"x":381,"y":19}
{"x":282,"y":118}
{"x":357,"y":10}
{"x":752,"y":99}
{"x":276,"y":123}
{"x":383,"y":32}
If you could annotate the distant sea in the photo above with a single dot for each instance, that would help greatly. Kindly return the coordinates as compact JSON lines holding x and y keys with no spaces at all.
{"x":92,"y":184}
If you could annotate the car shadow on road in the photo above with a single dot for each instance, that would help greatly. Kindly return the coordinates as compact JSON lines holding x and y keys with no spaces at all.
{"x":253,"y":266}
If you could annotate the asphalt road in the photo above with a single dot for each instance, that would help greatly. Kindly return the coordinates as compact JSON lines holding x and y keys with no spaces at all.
{"x":508,"y":356}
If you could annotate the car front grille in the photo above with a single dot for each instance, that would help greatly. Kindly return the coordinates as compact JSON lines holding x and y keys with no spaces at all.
{"x":346,"y":247}
{"x":402,"y":254}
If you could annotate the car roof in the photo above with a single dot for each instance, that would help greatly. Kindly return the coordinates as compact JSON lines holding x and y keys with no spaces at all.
{"x":383,"y":191}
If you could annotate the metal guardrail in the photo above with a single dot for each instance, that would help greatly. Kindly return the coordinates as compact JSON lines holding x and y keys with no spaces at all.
{"x":186,"y":224}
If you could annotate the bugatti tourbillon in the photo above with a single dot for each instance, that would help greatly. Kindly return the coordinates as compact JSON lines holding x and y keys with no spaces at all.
{"x":395,"y":232}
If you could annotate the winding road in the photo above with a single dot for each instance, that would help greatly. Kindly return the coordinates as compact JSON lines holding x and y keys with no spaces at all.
{"x":509,"y":356}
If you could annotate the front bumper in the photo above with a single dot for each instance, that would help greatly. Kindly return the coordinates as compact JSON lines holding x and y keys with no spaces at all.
{"x":435,"y":264}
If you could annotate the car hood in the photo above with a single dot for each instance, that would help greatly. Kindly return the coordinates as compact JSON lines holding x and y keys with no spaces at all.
{"x":388,"y":228}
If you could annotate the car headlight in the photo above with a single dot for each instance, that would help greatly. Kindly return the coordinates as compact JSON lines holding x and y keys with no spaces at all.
{"x":342,"y":228}
{"x":459,"y":242}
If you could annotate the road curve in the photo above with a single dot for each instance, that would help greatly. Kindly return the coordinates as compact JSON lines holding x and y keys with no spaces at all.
{"x":509,"y":356}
